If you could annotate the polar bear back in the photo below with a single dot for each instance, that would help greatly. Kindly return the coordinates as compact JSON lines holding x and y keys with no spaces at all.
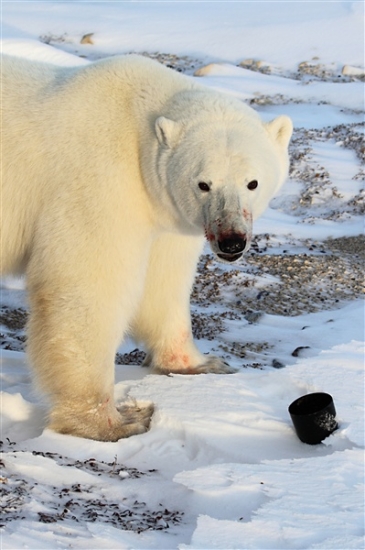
{"x":58,"y":124}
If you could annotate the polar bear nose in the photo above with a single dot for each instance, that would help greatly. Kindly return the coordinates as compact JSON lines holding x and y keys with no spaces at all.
{"x":233,"y":245}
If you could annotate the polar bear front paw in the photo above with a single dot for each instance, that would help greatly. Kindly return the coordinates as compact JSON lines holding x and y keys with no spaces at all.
{"x":136,"y":419}
{"x":211,"y":365}
{"x":103,"y":423}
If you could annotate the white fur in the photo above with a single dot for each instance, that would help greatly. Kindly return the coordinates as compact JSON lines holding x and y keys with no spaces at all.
{"x":101,"y":208}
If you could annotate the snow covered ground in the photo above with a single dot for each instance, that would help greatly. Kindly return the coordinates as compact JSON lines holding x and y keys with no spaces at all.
{"x":221,"y":467}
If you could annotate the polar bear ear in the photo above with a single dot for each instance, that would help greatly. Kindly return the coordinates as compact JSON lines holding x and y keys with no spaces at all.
{"x":167,"y":131}
{"x":281,"y":129}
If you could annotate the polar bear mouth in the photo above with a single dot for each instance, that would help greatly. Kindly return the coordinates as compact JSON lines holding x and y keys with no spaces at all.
{"x":230,"y":257}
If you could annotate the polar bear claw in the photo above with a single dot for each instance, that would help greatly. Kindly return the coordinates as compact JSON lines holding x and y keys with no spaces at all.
{"x":103,"y":425}
{"x":211,"y":365}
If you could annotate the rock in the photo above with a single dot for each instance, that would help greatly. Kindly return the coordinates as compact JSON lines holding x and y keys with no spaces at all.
{"x":207,"y":69}
{"x":246,"y":63}
{"x":253,"y":317}
{"x":256,"y":65}
{"x":86,"y":39}
{"x":300,"y":351}
{"x":277,"y":364}
{"x":349,"y":70}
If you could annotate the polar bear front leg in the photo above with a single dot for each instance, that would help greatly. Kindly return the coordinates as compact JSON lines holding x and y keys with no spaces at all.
{"x":163,"y":322}
{"x":73,"y":332}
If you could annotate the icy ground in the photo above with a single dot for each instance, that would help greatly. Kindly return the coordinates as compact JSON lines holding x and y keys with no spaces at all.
{"x":221,"y":467}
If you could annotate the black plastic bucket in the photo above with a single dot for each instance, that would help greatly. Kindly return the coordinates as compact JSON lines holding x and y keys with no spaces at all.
{"x":314,"y":417}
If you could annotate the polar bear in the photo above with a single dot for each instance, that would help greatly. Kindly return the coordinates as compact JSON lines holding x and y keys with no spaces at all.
{"x":113,"y":173}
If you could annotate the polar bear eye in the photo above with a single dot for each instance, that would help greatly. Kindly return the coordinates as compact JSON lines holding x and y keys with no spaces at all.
{"x":203,"y":186}
{"x":252,"y":185}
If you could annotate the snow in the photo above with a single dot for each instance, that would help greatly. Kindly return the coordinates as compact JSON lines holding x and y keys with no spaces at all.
{"x":221,"y":453}
{"x":36,"y":51}
{"x":223,"y":31}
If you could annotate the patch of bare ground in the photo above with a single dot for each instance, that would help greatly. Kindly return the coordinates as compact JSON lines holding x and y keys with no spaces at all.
{"x":286,"y":284}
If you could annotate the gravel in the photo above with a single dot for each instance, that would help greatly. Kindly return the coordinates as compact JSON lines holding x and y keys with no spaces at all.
{"x":76,"y":503}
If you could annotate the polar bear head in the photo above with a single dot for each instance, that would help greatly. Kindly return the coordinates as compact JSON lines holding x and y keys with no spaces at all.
{"x":220,"y":165}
